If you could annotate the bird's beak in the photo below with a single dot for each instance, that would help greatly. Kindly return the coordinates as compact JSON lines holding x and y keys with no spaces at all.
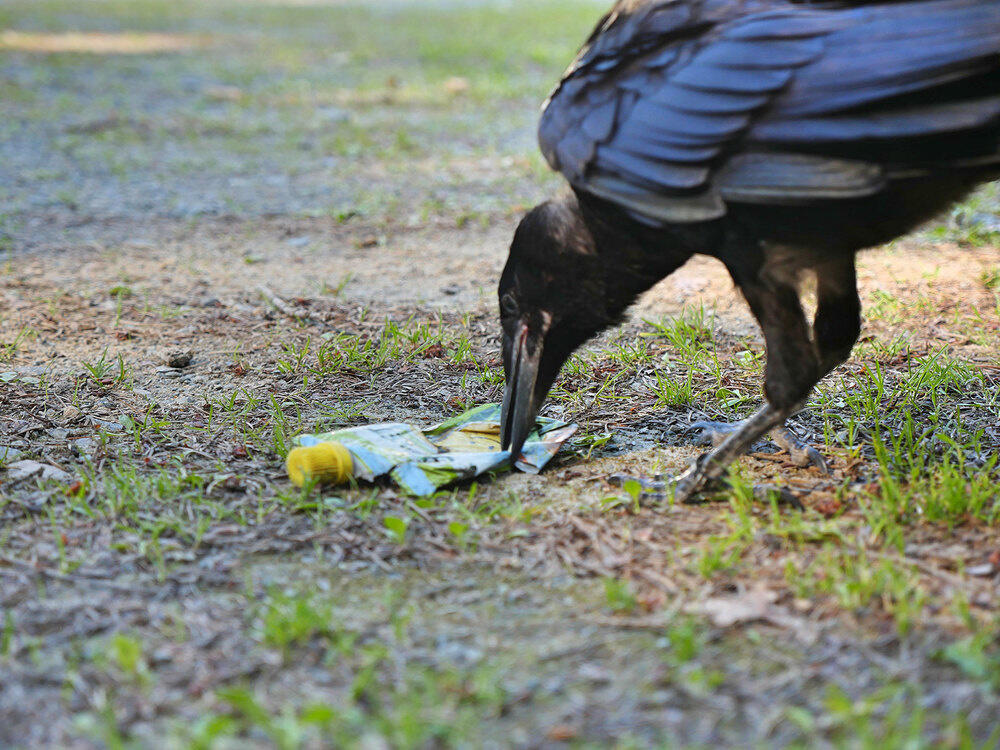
{"x":519,"y":407}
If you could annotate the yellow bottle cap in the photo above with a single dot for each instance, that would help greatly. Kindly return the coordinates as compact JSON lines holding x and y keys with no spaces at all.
{"x":328,"y":463}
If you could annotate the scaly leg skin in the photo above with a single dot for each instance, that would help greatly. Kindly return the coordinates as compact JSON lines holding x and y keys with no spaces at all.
{"x":731,"y":441}
{"x":796,"y":360}
{"x":801,"y":454}
{"x":798,"y":355}
{"x":711,"y":466}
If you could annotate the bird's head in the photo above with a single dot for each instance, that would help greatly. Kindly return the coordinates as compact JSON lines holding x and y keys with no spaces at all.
{"x":552,"y":299}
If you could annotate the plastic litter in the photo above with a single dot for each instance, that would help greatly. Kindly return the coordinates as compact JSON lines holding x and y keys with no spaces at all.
{"x":422,"y":461}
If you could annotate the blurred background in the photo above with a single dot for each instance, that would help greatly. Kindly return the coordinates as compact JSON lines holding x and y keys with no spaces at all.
{"x":402,"y":111}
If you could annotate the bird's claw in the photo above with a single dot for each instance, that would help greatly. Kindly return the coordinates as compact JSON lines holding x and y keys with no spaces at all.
{"x":700,"y":476}
{"x":703,"y":474}
{"x":800,"y":453}
{"x":696,"y":478}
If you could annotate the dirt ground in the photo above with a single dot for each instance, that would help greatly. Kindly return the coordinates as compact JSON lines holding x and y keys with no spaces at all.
{"x":315,"y":201}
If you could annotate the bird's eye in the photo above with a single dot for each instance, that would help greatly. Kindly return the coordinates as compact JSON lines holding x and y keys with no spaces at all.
{"x":508,"y":306}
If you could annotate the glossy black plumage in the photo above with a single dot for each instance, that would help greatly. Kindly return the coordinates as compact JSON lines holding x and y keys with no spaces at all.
{"x":667,"y":93}
{"x":780,"y":137}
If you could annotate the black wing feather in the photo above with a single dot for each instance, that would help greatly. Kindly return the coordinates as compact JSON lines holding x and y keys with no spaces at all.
{"x":668,"y":107}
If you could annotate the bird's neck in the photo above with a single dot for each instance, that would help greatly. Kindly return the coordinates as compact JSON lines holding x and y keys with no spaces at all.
{"x":633,"y":256}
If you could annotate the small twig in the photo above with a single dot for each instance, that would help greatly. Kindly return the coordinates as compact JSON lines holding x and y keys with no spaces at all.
{"x":286,"y":309}
{"x":657,"y":623}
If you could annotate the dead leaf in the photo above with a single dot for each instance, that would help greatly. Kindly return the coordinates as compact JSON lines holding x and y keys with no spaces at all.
{"x":561,"y":732}
{"x":456,"y":85}
{"x":750,"y":606}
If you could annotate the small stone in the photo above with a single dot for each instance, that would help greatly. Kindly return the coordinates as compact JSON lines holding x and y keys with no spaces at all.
{"x":179,"y":358}
{"x":71,"y":414}
{"x":168,"y":372}
{"x":86,"y":446}
{"x":981,"y":571}
{"x":593,"y":672}
{"x":222,"y":93}
{"x":162,"y":655}
{"x":33,"y":502}
{"x":106,"y":425}
{"x":27,"y":468}
{"x":456,"y":85}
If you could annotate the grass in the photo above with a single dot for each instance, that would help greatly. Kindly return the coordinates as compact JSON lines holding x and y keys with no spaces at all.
{"x":970,"y":222}
{"x":916,"y":483}
{"x":355,"y":85}
{"x":177,"y":589}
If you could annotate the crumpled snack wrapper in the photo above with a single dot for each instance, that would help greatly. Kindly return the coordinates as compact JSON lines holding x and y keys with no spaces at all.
{"x":463,"y":447}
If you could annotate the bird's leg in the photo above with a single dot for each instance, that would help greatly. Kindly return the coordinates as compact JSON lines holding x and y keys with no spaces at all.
{"x":795,"y":362}
{"x":838,"y":313}
{"x":800,"y":452}
{"x":834,"y":331}
{"x":792,"y":370}
{"x":712,"y":465}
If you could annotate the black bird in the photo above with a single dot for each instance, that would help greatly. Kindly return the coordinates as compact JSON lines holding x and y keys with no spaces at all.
{"x":780,"y":137}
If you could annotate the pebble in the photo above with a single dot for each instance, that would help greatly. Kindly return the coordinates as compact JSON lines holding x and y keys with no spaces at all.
{"x":71,"y":413}
{"x":106,"y":425}
{"x":179,"y":358}
{"x":27,"y":468}
{"x":168,"y":372}
{"x":86,"y":446}
{"x":593,"y":672}
{"x":981,"y":571}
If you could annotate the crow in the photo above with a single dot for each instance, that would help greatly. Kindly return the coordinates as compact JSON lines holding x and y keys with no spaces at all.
{"x":779,"y":136}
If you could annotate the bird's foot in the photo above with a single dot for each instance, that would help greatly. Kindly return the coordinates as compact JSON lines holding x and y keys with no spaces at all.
{"x":800,"y":453}
{"x":657,"y":488}
{"x":705,"y":475}
{"x":698,"y":477}
{"x":695,"y":480}
{"x":730,"y":441}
